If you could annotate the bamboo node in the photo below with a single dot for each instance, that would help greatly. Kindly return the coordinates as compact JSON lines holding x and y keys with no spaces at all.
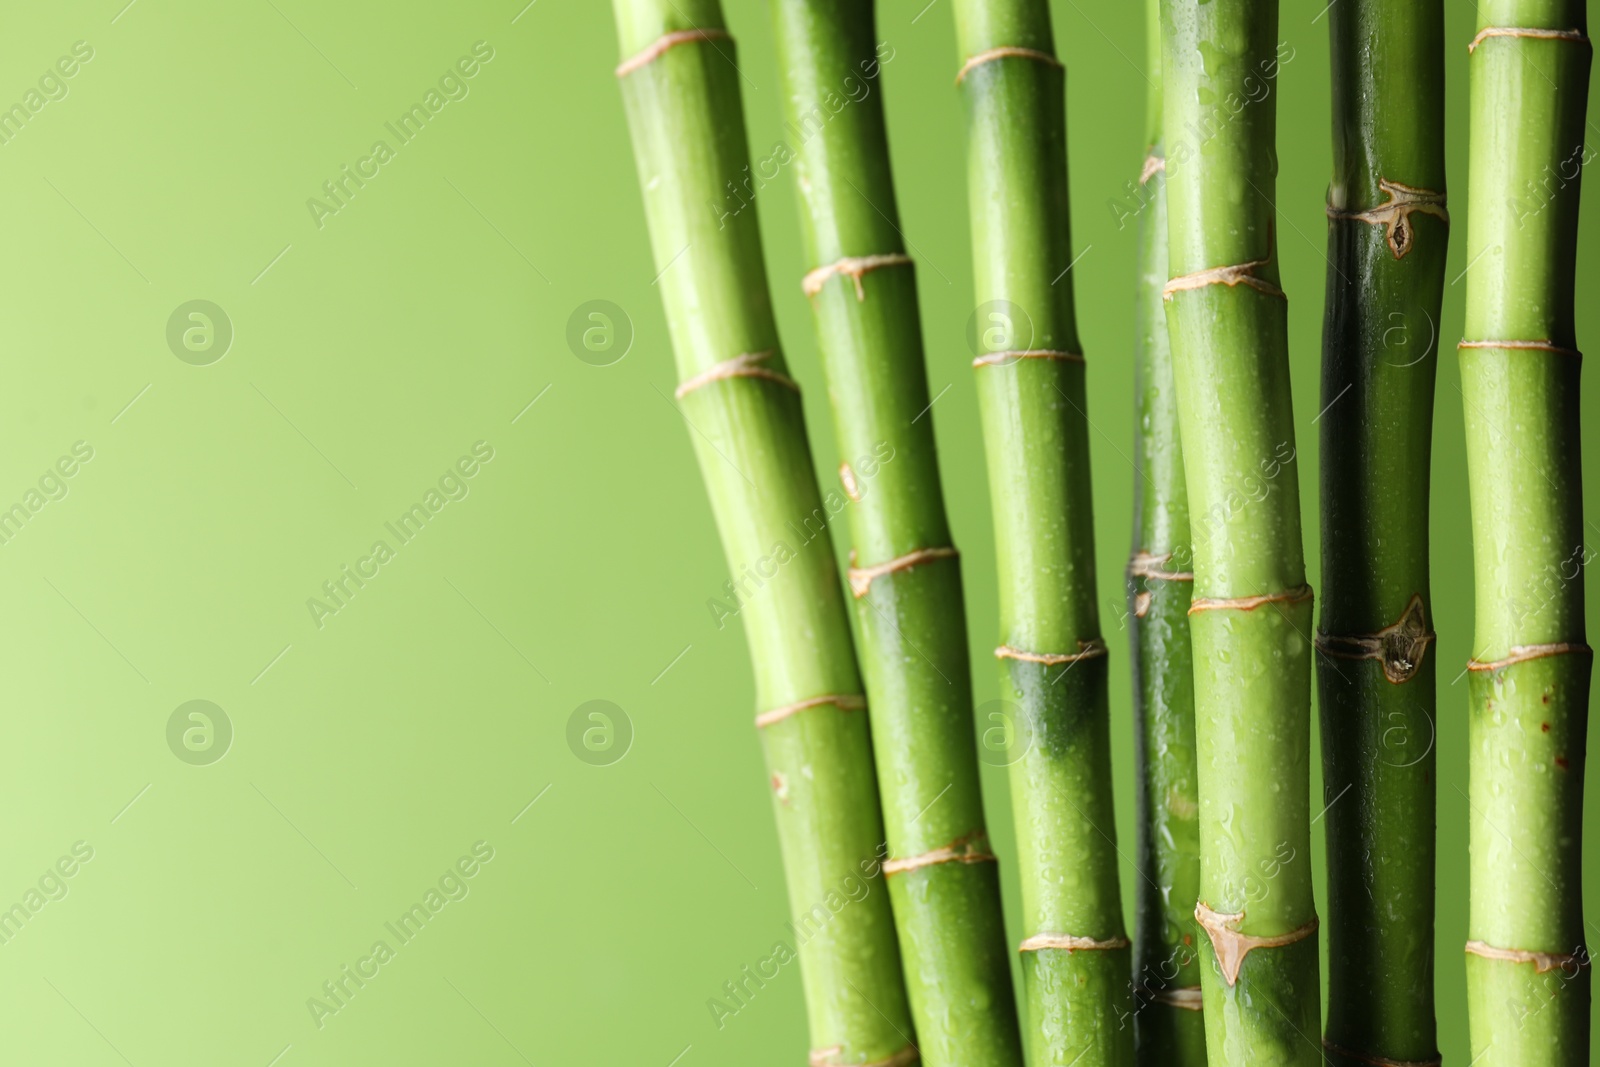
{"x":1237,"y":274}
{"x":747,"y":365}
{"x":1187,"y":997}
{"x":1524,"y":653}
{"x":972,"y":848}
{"x":1093,"y":648}
{"x":1524,"y":346}
{"x":861,"y":578}
{"x":1298,"y":595}
{"x":1400,"y":647}
{"x":829,"y":1057}
{"x":653,"y":51}
{"x":1524,"y":31}
{"x":847,"y":478}
{"x":1006,"y":359}
{"x":1378,"y":1061}
{"x":1148,"y":565}
{"x":1542,"y":961}
{"x":1153,"y":165}
{"x":844,"y":702}
{"x":852,"y":267}
{"x":1071,"y":943}
{"x":1008,"y":52}
{"x":1395,"y":213}
{"x":1232,"y":947}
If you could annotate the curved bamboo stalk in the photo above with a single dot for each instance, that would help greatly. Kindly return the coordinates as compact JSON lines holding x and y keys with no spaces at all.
{"x":684,"y":110}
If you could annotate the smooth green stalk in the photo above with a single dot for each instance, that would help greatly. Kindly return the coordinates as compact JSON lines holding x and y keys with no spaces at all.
{"x":1527,"y":965}
{"x":1387,"y":238}
{"x":688,"y":132}
{"x":1169,"y":1028}
{"x":1052,"y":661}
{"x":942,"y":876}
{"x":1250,"y":621}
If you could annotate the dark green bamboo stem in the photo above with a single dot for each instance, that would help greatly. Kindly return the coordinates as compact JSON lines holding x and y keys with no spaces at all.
{"x":1387,"y":237}
{"x":684,"y":109}
{"x":1528,"y":973}
{"x":1169,"y":1027}
{"x":1052,"y":660}
{"x":1250,"y":621}
{"x":907,"y":584}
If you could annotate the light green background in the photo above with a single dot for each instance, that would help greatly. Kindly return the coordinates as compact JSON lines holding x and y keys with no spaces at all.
{"x":369,"y":355}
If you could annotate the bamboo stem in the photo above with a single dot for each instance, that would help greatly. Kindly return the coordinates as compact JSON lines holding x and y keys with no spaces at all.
{"x":684,"y":110}
{"x":1387,"y":239}
{"x":1528,"y":977}
{"x":1075,"y":956}
{"x":1169,"y":1027}
{"x":1250,"y":622}
{"x":945,"y":884}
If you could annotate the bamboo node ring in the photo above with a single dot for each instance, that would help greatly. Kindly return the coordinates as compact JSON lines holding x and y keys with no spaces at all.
{"x":1148,"y":565}
{"x":852,"y":267}
{"x":1006,"y":359}
{"x":1008,"y":52}
{"x":973,"y":848}
{"x":1542,"y":961}
{"x":1153,"y":165}
{"x":1298,"y":595}
{"x":1524,"y":346}
{"x":829,"y":1057}
{"x":1394,"y":214}
{"x":1232,"y":947}
{"x":1378,"y":1061}
{"x":1524,"y":31}
{"x":1093,"y":648}
{"x":844,"y":702}
{"x":1236,"y":274}
{"x":1400,"y":646}
{"x":861,"y":578}
{"x":1524,"y":653}
{"x":747,"y":365}
{"x":1187,"y":997}
{"x":1071,"y":943}
{"x":653,"y":51}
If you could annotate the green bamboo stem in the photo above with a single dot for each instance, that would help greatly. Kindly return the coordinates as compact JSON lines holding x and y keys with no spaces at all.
{"x":1052,"y":660}
{"x":1250,"y":621}
{"x":684,"y":109}
{"x":1528,"y":978}
{"x":1387,"y":238}
{"x":943,"y":880}
{"x":1169,"y":1027}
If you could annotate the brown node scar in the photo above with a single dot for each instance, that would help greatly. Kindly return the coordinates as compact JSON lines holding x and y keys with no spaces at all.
{"x":665,"y":42}
{"x":1007,"y":53}
{"x":1400,"y":647}
{"x":1395,"y":213}
{"x":853,"y":267}
{"x":1526,"y":346}
{"x":1232,"y":947}
{"x":844,"y":702}
{"x":973,"y":848}
{"x":1141,"y":605}
{"x":1071,"y":942}
{"x":1251,"y":603}
{"x":1523,"y":653}
{"x":1378,"y":1061}
{"x":1153,"y":165}
{"x":1093,"y":648}
{"x":1237,"y":274}
{"x":847,"y":478}
{"x":1187,"y":997}
{"x":861,"y":577}
{"x":1542,"y":961}
{"x":1522,"y":31}
{"x":748,"y":365}
{"x":1005,"y":359}
{"x":1149,"y":565}
{"x":829,"y":1057}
